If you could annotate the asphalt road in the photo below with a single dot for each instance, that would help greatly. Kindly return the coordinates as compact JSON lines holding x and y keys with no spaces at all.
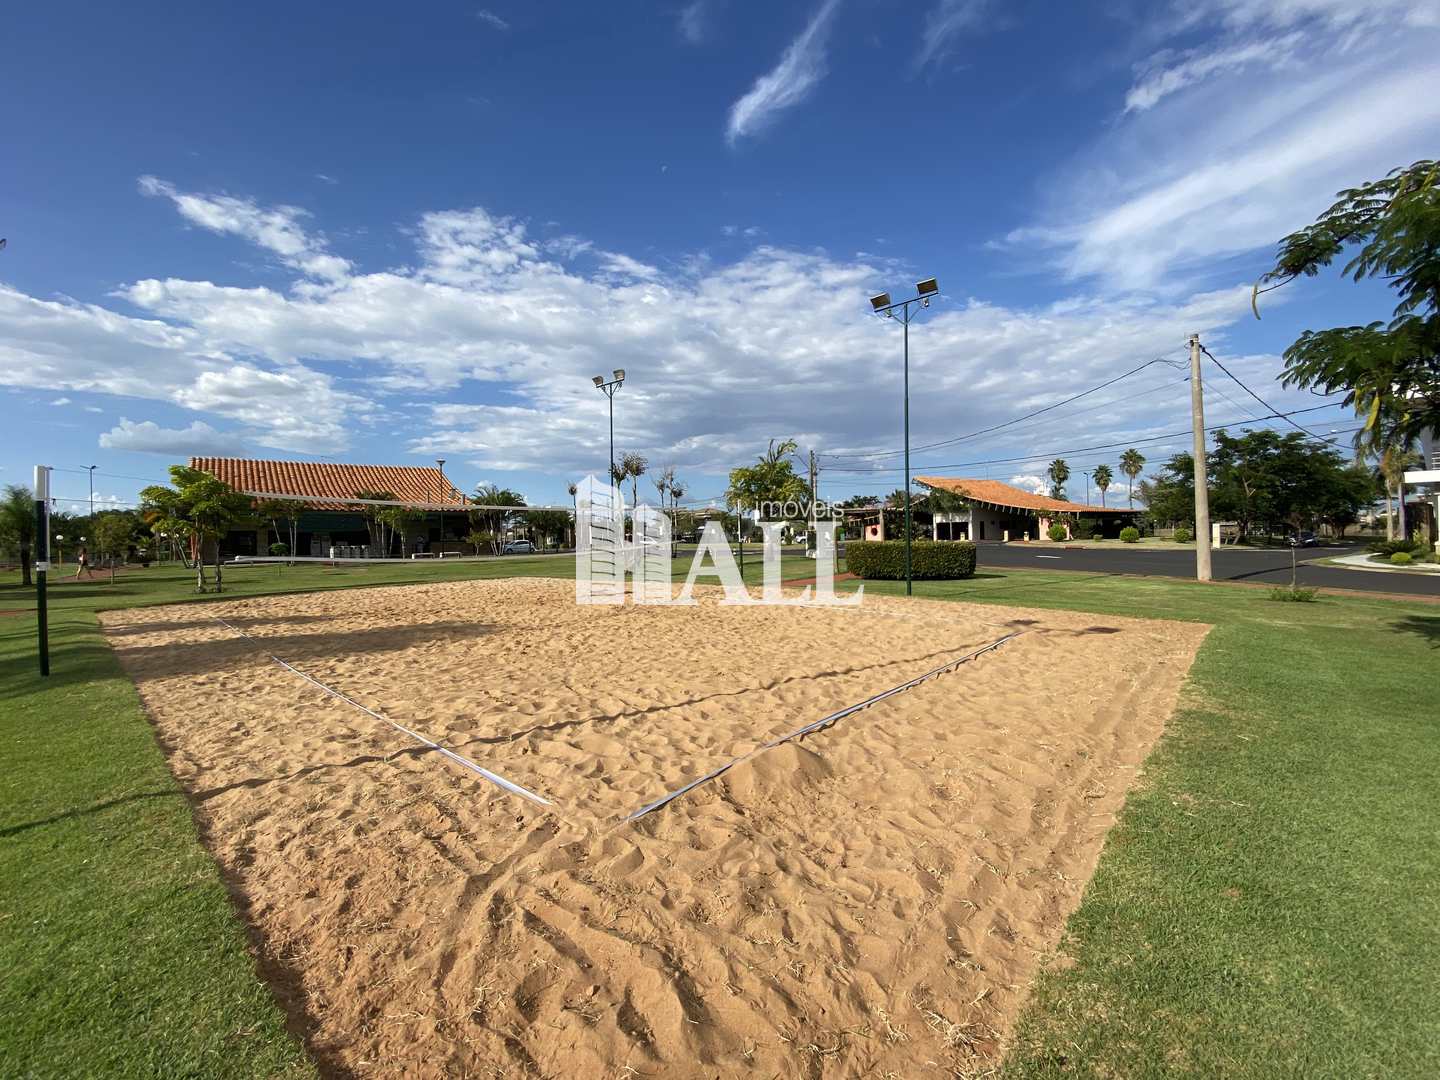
{"x":1269,"y":567}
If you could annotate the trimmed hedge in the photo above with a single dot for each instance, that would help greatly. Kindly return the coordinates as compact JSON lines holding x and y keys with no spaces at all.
{"x":1130,"y":535}
{"x":1402,"y":558}
{"x":1056,"y":533}
{"x":929,"y":559}
{"x":1183,"y":535}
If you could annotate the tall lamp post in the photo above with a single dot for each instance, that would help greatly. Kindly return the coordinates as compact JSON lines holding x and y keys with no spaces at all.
{"x":440,"y":464}
{"x":610,"y":388}
{"x":92,"y":469}
{"x":882,"y":305}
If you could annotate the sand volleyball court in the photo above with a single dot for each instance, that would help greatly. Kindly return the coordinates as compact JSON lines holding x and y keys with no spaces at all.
{"x":870,"y":900}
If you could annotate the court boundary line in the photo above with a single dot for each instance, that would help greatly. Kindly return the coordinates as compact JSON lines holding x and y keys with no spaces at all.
{"x":460,"y":759}
{"x":821,"y":724}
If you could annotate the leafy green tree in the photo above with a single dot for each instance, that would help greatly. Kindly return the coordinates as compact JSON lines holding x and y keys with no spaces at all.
{"x":1058,"y":473}
{"x":771,"y":480}
{"x":17,"y":525}
{"x":492,"y":521}
{"x":199,"y":509}
{"x":1169,"y":495}
{"x":287,"y":510}
{"x":376,"y":525}
{"x":1389,"y":372}
{"x":633,"y":466}
{"x":112,"y":534}
{"x":1132,"y":463}
{"x":1103,"y":478}
{"x":401,"y":521}
{"x":551,"y":526}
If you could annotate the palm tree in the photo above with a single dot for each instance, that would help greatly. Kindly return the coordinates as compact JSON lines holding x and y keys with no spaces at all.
{"x":1131,"y":462}
{"x":1103,"y":478}
{"x":633,"y":466}
{"x":1394,"y":461}
{"x":1058,"y":472}
{"x":17,"y":524}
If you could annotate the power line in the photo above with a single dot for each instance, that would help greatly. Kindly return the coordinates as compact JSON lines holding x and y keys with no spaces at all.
{"x":1261,"y":400}
{"x":1007,"y":423}
{"x":1085,"y":449}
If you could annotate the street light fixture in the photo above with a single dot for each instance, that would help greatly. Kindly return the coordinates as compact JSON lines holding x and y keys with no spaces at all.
{"x":881,"y":305}
{"x":610,"y":389}
{"x":440,"y":464}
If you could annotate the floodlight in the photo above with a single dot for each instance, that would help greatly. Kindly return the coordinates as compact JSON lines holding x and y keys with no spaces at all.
{"x":926,"y":287}
{"x":880,"y":301}
{"x":599,"y":380}
{"x":619,"y":374}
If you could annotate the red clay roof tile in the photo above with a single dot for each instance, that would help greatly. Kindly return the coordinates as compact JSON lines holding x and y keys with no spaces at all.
{"x":998,"y":494}
{"x":322,"y":484}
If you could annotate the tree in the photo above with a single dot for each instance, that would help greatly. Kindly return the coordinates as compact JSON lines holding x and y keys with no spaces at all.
{"x":493,"y":521}
{"x":1058,"y":472}
{"x":633,"y":466}
{"x":401,"y":521}
{"x":1389,"y":372}
{"x":199,"y":508}
{"x":1169,"y":495}
{"x":287,"y":510}
{"x":113,"y":533}
{"x":771,"y":480}
{"x":376,"y":525}
{"x":1131,"y":464}
{"x":17,"y":524}
{"x":1103,"y":478}
{"x":551,"y":526}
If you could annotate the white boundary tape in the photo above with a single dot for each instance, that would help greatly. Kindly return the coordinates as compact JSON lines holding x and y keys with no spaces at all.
{"x":494,"y":778}
{"x":823,"y":722}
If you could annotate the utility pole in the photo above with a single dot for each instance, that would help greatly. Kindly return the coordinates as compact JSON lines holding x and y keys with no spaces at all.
{"x":1202,"y":491}
{"x":42,"y":563}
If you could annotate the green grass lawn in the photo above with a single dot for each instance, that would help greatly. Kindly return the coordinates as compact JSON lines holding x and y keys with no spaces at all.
{"x":1268,"y":905}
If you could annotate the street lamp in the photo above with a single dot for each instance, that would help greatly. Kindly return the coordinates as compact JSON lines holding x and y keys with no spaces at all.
{"x":92,"y":469}
{"x":440,"y":462}
{"x":882,"y":305}
{"x":1087,"y":486}
{"x":610,"y":388}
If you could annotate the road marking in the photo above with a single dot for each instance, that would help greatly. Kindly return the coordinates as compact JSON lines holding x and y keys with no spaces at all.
{"x":1047,"y":556}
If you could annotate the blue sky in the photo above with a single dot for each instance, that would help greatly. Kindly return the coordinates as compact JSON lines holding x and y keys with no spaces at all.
{"x":387,"y":234}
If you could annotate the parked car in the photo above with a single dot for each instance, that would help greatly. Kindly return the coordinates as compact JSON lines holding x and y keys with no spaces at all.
{"x":1304,"y":539}
{"x":519,"y":547}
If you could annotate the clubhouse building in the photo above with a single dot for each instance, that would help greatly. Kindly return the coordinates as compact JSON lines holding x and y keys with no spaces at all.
{"x":997,"y":511}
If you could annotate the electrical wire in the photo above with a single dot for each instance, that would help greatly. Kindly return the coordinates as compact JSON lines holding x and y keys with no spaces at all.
{"x":1007,"y":423}
{"x":1261,"y":400}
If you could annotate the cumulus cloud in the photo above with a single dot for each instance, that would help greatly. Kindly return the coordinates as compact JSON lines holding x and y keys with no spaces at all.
{"x":1036,"y":485}
{"x":61,"y":401}
{"x":148,"y":437}
{"x":721,"y":358}
{"x":787,"y":84}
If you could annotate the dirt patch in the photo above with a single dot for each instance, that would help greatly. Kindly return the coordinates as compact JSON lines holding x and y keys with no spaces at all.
{"x":872,"y":899}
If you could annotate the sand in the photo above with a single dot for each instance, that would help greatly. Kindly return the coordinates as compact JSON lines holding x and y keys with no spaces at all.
{"x":872,"y":900}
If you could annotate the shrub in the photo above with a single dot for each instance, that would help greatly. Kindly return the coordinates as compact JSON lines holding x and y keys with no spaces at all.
{"x":1390,"y":547}
{"x":1130,"y":535}
{"x":1183,"y":536}
{"x":280,"y":549}
{"x":1401,"y":558}
{"x":929,"y":559}
{"x":1056,"y":532}
{"x":1082,"y":529}
{"x":1297,"y":594}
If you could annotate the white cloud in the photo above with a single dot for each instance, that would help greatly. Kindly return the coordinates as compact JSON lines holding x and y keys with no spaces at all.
{"x":789,"y":83}
{"x":199,"y":438}
{"x":1166,"y":73}
{"x":721,"y":357}
{"x":490,"y":18}
{"x":277,"y":229}
{"x":947,"y":20}
{"x":61,"y":401}
{"x":1036,"y":485}
{"x":692,"y":20}
{"x":1222,"y":150}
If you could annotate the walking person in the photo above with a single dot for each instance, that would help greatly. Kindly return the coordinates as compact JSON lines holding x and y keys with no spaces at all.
{"x":82,"y":563}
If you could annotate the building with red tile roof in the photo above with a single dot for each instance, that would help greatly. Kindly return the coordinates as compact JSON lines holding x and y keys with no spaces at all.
{"x":998,"y":511}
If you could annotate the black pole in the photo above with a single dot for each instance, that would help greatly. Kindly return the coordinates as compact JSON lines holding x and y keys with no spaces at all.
{"x":42,"y":564}
{"x":908,"y":586}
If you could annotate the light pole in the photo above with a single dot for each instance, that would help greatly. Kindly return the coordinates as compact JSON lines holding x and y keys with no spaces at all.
{"x":440,"y":462}
{"x":1087,"y":486}
{"x":881,"y":305}
{"x":611,"y":388}
{"x":92,"y":469}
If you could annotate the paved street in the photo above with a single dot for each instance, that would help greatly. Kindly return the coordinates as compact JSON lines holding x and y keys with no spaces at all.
{"x":1271,"y":567}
